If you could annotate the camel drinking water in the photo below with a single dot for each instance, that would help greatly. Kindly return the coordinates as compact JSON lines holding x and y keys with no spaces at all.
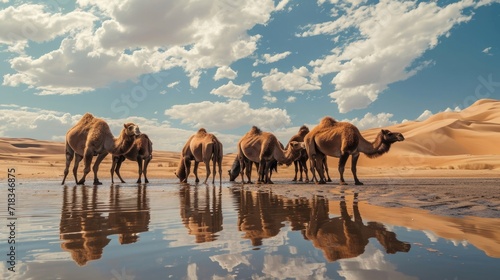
{"x":200,"y":147}
{"x":91,"y":137}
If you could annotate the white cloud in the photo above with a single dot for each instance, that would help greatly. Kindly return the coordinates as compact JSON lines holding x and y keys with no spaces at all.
{"x":371,"y":121}
{"x":392,"y":35}
{"x":299,"y":79}
{"x":173,"y":84}
{"x":31,"y":22}
{"x":233,"y":114}
{"x":268,"y":58}
{"x":136,"y":38}
{"x":269,"y":98}
{"x":425,"y":115}
{"x":291,"y":99}
{"x":232,"y":91}
{"x":487,"y":51}
{"x":281,"y":5}
{"x":225,"y":72}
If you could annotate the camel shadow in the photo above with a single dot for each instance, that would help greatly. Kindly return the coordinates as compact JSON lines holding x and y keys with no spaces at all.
{"x":85,"y":228}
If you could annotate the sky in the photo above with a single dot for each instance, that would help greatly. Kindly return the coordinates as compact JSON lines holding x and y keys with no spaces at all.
{"x":175,"y":66}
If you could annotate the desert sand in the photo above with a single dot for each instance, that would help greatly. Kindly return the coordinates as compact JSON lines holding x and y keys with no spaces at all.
{"x":432,"y":170}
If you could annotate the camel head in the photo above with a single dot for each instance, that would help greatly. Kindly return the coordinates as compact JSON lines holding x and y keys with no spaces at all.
{"x":391,"y":137}
{"x":131,"y":129}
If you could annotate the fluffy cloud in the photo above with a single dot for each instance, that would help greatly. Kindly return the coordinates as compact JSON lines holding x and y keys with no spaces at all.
{"x":133,"y":38}
{"x":225,"y":72}
{"x":235,"y":113}
{"x":32,"y":22}
{"x":300,"y":79}
{"x":268,"y":58}
{"x":370,"y":120}
{"x":392,"y":35}
{"x":231,"y":90}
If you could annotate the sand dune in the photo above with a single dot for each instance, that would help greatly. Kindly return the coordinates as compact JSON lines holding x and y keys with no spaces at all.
{"x":447,"y":144}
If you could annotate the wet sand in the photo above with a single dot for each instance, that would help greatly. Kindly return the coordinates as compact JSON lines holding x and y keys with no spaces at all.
{"x":478,"y":197}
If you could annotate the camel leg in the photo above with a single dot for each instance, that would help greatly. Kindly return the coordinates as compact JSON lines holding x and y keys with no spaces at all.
{"x":195,"y":171}
{"x":70,"y":153}
{"x":325,"y":163}
{"x":121,"y":159}
{"x":187,"y":167}
{"x":354,"y":161}
{"x":295,"y":164}
{"x":95,"y":168}
{"x":139,"y":165}
{"x":113,"y":168}
{"x":304,"y":167}
{"x":342,"y":161}
{"x":207,"y":167}
{"x":268,"y":173}
{"x":87,"y":160}
{"x":261,"y":167}
{"x":78,"y":158}
{"x":145,"y":170}
{"x":318,"y":163}
{"x":248,"y":171}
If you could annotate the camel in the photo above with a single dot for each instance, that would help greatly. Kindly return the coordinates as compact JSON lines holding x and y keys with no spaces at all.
{"x":262,"y":148}
{"x":235,"y":168}
{"x":91,"y":137}
{"x":301,"y":163}
{"x":341,"y":139}
{"x":141,"y":151}
{"x":200,"y":147}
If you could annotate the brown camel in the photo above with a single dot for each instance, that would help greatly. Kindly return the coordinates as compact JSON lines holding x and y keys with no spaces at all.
{"x":200,"y":147}
{"x":301,"y":163}
{"x":341,"y":139}
{"x":262,"y":148}
{"x":141,"y":151}
{"x":92,"y":137}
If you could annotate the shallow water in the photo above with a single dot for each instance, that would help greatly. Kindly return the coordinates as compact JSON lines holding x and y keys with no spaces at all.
{"x":170,"y":231}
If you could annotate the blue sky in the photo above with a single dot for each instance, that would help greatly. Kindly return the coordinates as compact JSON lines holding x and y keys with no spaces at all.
{"x":175,"y":66}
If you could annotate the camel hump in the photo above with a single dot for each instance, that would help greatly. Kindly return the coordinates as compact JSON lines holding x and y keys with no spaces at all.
{"x":304,"y":128}
{"x":202,"y":131}
{"x":255,"y":130}
{"x":327,"y":121}
{"x":87,"y":118}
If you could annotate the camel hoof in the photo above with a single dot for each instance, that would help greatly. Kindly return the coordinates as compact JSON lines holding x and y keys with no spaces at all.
{"x":343,"y":183}
{"x":270,"y":182}
{"x":81,"y":182}
{"x":96,"y":182}
{"x":329,"y":180}
{"x":138,"y":181}
{"x":197,"y":180}
{"x":146,"y":181}
{"x":358,"y":183}
{"x":306,"y":181}
{"x":123,"y":182}
{"x":321,"y":182}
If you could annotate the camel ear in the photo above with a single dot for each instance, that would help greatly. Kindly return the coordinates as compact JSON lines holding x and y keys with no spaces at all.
{"x":385,"y":131}
{"x":125,"y":125}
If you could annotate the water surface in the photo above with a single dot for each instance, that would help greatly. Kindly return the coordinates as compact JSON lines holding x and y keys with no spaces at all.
{"x":170,"y":231}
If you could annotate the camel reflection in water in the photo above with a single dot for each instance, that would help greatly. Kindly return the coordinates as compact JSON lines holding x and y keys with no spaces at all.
{"x":84,"y":227}
{"x":262,"y":214}
{"x":201,"y":211}
{"x":342,"y":237}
